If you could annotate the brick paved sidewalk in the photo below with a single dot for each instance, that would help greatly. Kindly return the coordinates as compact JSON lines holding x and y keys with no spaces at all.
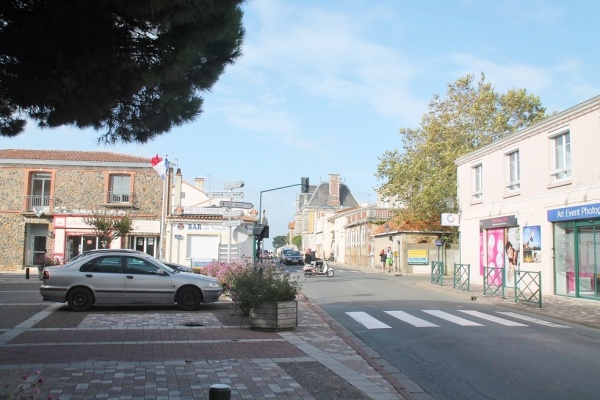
{"x":178,"y":355}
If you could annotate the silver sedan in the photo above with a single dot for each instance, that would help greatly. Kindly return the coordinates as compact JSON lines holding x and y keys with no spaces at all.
{"x":125,"y":277}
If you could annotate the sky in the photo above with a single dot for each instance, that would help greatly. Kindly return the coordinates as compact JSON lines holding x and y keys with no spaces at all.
{"x":323,"y":87}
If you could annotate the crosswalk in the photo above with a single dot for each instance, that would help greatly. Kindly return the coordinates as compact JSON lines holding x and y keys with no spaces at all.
{"x":434,"y":319}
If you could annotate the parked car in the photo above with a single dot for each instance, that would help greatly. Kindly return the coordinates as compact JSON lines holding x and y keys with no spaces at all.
{"x":292,"y":257}
{"x":178,"y":267}
{"x":125,"y":277}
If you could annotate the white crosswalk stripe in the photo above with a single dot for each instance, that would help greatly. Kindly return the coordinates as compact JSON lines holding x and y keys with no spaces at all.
{"x":371,"y":322}
{"x":414,"y":321}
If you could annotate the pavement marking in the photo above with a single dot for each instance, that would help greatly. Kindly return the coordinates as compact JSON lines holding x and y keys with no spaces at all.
{"x":367,"y":321}
{"x":533,"y":320}
{"x":488,"y":317}
{"x":452,"y":318}
{"x":414,"y":321}
{"x":27,"y":324}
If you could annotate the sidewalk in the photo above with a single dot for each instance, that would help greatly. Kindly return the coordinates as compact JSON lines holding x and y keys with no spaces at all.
{"x":136,"y":354}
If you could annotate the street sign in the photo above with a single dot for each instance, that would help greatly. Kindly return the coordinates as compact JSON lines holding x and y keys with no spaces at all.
{"x":178,"y":237}
{"x":213,"y":195}
{"x":234,"y":185}
{"x":235,"y":204}
{"x":234,"y":213}
{"x":232,"y":222}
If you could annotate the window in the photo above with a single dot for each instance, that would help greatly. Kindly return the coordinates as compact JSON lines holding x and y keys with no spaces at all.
{"x":39,"y":192}
{"x":107,"y":264}
{"x":119,"y":189}
{"x":477,"y":185}
{"x":561,"y":157}
{"x":514,"y":171}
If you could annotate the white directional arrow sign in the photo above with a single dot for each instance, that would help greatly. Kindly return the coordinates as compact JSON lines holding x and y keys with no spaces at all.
{"x":234,"y":213}
{"x":235,"y":204}
{"x":218,"y":195}
{"x":234,"y":185}
{"x":232,"y":222}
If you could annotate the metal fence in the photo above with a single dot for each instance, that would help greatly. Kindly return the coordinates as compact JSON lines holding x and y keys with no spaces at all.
{"x":462,"y":273}
{"x":437,"y":272}
{"x":493,"y":281}
{"x":528,"y":287}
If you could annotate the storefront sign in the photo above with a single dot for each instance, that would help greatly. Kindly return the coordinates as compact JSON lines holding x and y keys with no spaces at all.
{"x":499,"y":222}
{"x":419,"y":257}
{"x":578,"y":212}
{"x":198,"y":210}
{"x":199,"y":227}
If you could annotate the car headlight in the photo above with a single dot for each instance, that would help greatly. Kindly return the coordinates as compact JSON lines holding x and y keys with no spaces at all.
{"x":214,"y":284}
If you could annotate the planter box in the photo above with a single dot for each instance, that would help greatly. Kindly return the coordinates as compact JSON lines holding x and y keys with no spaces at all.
{"x":275,"y":316}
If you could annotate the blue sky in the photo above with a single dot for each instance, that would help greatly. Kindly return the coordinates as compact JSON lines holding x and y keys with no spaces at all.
{"x":324,"y":86}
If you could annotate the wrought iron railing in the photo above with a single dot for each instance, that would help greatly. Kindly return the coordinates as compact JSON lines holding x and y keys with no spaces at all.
{"x":528,"y":287}
{"x":437,"y":272}
{"x":462,"y":273}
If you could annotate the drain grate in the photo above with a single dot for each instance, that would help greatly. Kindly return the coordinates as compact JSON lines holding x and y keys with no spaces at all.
{"x":192,"y":323}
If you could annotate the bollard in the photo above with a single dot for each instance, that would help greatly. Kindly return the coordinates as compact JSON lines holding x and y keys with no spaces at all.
{"x":219,"y":391}
{"x":26,"y":273}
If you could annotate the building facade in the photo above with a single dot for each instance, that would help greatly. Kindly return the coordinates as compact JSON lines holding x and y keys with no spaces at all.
{"x":531,"y":202}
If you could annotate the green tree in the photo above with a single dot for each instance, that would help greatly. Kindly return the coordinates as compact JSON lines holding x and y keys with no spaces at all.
{"x":473,"y":114}
{"x":297,"y":241}
{"x":280,"y":241}
{"x":109,"y":227}
{"x":129,"y":69}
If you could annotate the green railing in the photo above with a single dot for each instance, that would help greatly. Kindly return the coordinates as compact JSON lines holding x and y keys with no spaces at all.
{"x":437,"y":272}
{"x":528,"y":287}
{"x":462,"y":273}
{"x":493,"y":281}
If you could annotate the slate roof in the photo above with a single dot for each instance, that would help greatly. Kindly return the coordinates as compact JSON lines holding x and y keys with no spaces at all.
{"x":320,"y":197}
{"x":68,"y":155}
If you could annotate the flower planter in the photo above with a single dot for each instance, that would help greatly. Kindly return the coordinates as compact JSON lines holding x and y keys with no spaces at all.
{"x":275,"y":316}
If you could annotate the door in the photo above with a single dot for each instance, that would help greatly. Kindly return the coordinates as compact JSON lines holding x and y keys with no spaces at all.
{"x":104,"y":275}
{"x":39,"y":250}
{"x":587,"y":261}
{"x":146,"y":282}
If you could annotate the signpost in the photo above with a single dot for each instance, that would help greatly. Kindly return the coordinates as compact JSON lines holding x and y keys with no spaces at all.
{"x":233,"y":213}
{"x":218,"y":195}
{"x":234,"y":185}
{"x":232,"y":222}
{"x":235,"y":204}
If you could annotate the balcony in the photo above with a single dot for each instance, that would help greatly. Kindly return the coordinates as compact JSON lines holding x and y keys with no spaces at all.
{"x":118,"y":199}
{"x":38,"y":204}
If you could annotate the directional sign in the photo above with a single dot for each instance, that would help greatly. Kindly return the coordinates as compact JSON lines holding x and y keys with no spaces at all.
{"x":232,"y":222}
{"x":235,"y":204}
{"x":234,"y":185}
{"x":214,"y":195}
{"x":234,"y":213}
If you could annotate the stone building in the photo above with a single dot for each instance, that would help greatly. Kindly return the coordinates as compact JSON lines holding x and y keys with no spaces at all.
{"x":46,"y":195}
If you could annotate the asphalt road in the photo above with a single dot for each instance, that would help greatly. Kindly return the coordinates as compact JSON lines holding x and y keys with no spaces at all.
{"x":456,"y":348}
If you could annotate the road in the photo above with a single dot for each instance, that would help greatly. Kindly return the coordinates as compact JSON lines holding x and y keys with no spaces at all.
{"x":456,"y":348}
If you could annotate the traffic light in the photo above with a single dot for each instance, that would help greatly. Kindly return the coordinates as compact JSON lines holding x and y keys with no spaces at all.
{"x":304,"y":185}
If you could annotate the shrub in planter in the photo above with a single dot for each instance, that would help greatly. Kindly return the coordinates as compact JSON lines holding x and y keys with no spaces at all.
{"x":255,"y":286}
{"x":224,"y":271}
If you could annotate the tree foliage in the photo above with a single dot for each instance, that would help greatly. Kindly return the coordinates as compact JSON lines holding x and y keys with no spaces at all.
{"x":422,"y":174}
{"x":131,"y":69}
{"x":297,"y":241}
{"x":109,"y":227}
{"x":280,"y":241}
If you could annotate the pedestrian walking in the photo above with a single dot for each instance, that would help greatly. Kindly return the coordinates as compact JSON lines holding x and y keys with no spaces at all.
{"x":389,"y":259}
{"x":383,"y":258}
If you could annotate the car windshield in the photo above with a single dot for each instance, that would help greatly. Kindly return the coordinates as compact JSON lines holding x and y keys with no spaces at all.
{"x":294,"y":253}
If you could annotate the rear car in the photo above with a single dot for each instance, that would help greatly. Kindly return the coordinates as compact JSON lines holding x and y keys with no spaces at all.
{"x":125,"y":277}
{"x":292,"y":257}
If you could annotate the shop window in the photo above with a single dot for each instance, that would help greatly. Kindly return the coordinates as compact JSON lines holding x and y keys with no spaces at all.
{"x":513,"y":171}
{"x":561,"y":157}
{"x":477,"y":183}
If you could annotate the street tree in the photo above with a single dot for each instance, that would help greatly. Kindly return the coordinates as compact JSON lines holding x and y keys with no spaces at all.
{"x":472,"y":114}
{"x":109,"y":226}
{"x":297,"y":241}
{"x":131,"y":70}
{"x":280,"y":241}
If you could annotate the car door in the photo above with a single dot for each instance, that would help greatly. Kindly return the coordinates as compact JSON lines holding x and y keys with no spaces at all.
{"x":146,"y":282}
{"x":104,"y":275}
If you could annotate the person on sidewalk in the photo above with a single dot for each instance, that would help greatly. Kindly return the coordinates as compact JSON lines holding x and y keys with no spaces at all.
{"x":383,"y":258}
{"x":389,"y":259}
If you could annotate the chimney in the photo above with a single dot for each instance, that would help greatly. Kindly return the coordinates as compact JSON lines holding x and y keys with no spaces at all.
{"x":200,"y":183}
{"x":177,"y":188}
{"x":334,"y":190}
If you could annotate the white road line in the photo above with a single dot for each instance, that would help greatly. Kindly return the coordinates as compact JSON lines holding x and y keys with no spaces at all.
{"x":367,"y":321}
{"x":452,"y":318}
{"x":488,"y":317}
{"x":533,"y":320}
{"x":410,"y":319}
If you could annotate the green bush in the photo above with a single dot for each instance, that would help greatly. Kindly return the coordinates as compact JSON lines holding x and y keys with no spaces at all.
{"x":254,"y":286}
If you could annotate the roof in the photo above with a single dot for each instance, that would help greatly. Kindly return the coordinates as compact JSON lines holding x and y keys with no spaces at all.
{"x":396,"y":225}
{"x":67,"y":155}
{"x":320,"y":197}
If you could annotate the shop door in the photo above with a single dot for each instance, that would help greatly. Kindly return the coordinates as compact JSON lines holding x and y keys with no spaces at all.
{"x":39,"y":250}
{"x":588,"y":240}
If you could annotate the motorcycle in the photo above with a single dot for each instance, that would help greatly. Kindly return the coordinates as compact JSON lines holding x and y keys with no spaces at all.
{"x":319,"y":268}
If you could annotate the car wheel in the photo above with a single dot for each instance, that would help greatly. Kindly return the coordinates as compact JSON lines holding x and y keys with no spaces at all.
{"x":80,"y":299}
{"x":189,"y":299}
